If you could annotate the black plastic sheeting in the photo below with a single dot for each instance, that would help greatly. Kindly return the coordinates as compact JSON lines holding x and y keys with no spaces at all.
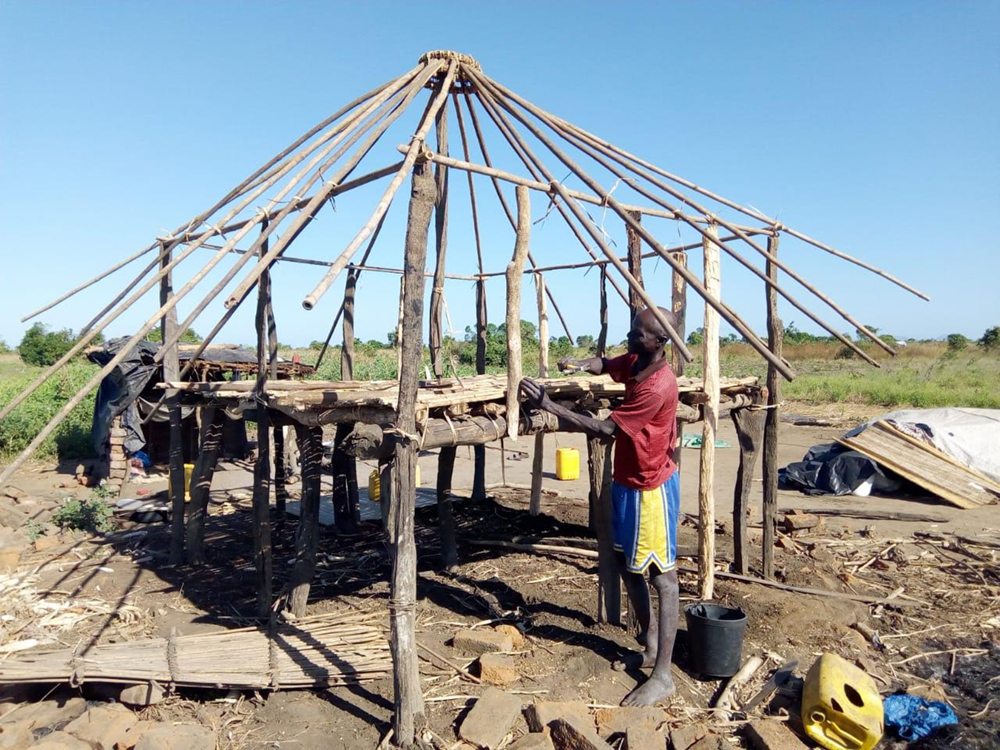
{"x":119,"y":391}
{"x":829,"y":469}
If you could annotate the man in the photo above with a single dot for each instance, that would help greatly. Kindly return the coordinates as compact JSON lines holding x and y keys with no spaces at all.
{"x":645,"y":492}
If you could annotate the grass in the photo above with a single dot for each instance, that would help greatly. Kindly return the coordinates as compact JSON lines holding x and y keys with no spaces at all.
{"x":72,"y":438}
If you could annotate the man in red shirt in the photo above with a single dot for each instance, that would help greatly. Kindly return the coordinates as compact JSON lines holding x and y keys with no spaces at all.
{"x":645,"y":492}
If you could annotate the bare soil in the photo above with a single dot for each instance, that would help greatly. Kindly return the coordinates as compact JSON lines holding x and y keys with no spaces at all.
{"x":944,"y":595}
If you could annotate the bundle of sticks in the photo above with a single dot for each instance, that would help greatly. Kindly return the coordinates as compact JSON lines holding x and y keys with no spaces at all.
{"x":325,"y":650}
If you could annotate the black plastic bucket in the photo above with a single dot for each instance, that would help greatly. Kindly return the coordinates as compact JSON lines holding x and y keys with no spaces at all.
{"x":715,"y":638}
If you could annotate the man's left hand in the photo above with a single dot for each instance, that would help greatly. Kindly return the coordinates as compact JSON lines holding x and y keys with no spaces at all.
{"x":535,"y":394}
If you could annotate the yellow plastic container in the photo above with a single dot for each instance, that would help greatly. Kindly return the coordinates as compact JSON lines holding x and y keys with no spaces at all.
{"x":375,"y":484}
{"x":567,"y":464}
{"x":841,"y":707}
{"x":188,"y":471}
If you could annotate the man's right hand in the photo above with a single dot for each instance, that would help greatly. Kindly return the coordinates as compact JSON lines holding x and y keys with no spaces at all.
{"x":568,"y":363}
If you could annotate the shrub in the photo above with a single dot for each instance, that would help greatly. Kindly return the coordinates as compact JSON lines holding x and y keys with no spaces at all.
{"x":190,"y":336}
{"x":957,"y":342}
{"x":90,"y":514}
{"x":990,"y":339}
{"x":4,"y":349}
{"x":43,"y":347}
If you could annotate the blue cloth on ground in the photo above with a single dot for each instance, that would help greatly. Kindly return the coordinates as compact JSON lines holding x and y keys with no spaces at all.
{"x":914,"y":718}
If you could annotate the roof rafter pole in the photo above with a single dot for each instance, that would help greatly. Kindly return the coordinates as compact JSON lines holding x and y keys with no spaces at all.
{"x":86,"y":339}
{"x":738,"y":231}
{"x":601,"y":243}
{"x":435,"y":335}
{"x":383,"y":204}
{"x":510,"y":217}
{"x":124,"y":292}
{"x":472,"y":187}
{"x":536,"y":168}
{"x":238,"y":190}
{"x":596,"y":140}
{"x":336,"y":318}
{"x":691,"y":279}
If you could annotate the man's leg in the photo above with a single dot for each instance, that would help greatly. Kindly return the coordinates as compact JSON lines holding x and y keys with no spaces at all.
{"x":660,"y":684}
{"x":638,"y":596}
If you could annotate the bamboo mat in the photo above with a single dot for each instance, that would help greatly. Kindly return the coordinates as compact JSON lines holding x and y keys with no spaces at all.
{"x":330,"y":649}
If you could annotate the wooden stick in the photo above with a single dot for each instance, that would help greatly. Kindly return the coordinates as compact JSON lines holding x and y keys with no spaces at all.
{"x":728,"y":694}
{"x":710,"y":412}
{"x":749,"y":424}
{"x":446,"y":517}
{"x":738,"y":231}
{"x":595,"y":235}
{"x":347,"y":348}
{"x":171,"y":366}
{"x":537,"y":459}
{"x":747,"y":211}
{"x":678,"y":305}
{"x":602,"y":334}
{"x":693,"y":281}
{"x":280,"y":473}
{"x":775,"y":337}
{"x":310,"y":440}
{"x":515,"y":271}
{"x":506,"y":208}
{"x":416,"y":144}
{"x":263,"y":563}
{"x":479,"y":452}
{"x":634,"y":264}
{"x":441,"y":245}
{"x":408,"y":702}
{"x":609,"y":590}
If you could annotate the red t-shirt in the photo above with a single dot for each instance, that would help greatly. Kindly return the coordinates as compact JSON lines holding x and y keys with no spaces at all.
{"x":647,"y":425}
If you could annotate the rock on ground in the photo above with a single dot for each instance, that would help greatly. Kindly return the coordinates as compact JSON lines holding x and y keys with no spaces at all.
{"x":533,"y":741}
{"x":573,"y":736}
{"x":47,"y":713}
{"x":148,"y":694}
{"x":497,"y":669}
{"x":620,"y":719}
{"x":60,"y":741}
{"x":642,"y":738}
{"x":482,"y":641}
{"x":516,"y":637}
{"x":490,"y":719}
{"x":539,"y":715}
{"x":15,"y":736}
{"x":102,"y":727}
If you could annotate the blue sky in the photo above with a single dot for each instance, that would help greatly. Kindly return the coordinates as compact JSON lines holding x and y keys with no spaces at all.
{"x":871,"y":126}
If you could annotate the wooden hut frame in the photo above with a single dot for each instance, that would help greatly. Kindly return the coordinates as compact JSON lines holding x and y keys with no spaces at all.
{"x":391,"y":421}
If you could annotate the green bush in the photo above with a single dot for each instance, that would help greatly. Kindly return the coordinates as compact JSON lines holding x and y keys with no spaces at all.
{"x":43,"y":347}
{"x":90,"y":514}
{"x":990,"y":339}
{"x":957,"y":342}
{"x":190,"y":336}
{"x":4,"y":349}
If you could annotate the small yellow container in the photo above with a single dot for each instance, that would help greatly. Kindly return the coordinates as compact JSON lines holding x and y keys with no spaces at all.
{"x":375,"y":484}
{"x":841,"y":707}
{"x":567,"y":464}
{"x":188,"y":471}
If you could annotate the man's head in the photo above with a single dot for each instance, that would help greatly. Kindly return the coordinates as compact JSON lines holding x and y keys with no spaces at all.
{"x":647,"y":335}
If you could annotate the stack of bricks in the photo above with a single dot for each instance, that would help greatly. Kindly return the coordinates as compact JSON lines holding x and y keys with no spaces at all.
{"x":117,"y":461}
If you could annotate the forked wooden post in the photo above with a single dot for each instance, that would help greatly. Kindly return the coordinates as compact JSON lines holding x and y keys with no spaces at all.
{"x":634,"y":264}
{"x":602,"y":334}
{"x":775,"y":334}
{"x":344,"y":465}
{"x":609,"y":586}
{"x":538,"y":458}
{"x":310,"y":441}
{"x":399,"y":328}
{"x":446,"y":518}
{"x":678,"y":306}
{"x":710,"y":409}
{"x":212,"y":420}
{"x":409,"y":703}
{"x":263,"y":562}
{"x":280,"y":472}
{"x":515,"y":275}
{"x":749,"y":423}
{"x":171,"y":369}
{"x":479,"y":451}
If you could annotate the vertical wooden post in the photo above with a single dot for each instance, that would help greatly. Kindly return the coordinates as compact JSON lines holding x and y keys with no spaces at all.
{"x":706,"y":478}
{"x":749,"y":423}
{"x":515,"y":275}
{"x":635,"y":303}
{"x":446,"y":518}
{"x":479,"y":451}
{"x":280,"y":475}
{"x":171,"y":370}
{"x":403,"y":588}
{"x":212,"y":421}
{"x":609,"y":587}
{"x":441,"y":244}
{"x":538,"y":458}
{"x":345,"y":465}
{"x":262,"y":467}
{"x":775,"y":335}
{"x":602,"y":335}
{"x":311,"y":446}
{"x":678,"y":305}
{"x":399,"y":329}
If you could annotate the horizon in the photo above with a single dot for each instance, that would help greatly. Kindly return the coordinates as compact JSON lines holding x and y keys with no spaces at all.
{"x":869,"y":128}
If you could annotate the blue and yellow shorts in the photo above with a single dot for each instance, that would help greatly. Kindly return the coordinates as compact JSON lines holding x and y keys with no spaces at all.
{"x":644,"y":524}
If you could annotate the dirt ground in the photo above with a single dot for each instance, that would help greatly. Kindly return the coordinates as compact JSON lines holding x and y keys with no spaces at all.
{"x":938,"y":629}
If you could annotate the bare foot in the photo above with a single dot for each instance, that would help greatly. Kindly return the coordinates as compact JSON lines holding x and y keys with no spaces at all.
{"x":651,"y":692}
{"x":636,"y":660}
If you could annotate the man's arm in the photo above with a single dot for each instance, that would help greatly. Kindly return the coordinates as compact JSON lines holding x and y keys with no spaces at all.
{"x":593,"y":365}
{"x":603,"y":429}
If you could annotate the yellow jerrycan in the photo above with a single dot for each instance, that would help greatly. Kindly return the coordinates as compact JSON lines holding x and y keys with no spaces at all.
{"x":375,"y":484}
{"x":567,"y":464}
{"x":841,"y":707}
